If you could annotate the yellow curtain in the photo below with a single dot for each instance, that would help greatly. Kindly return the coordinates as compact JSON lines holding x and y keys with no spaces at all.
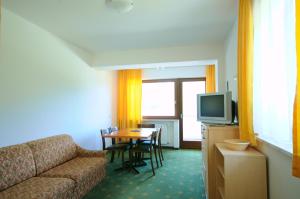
{"x":129,"y":98}
{"x":296,"y":124}
{"x":210,"y":79}
{"x":245,"y":71}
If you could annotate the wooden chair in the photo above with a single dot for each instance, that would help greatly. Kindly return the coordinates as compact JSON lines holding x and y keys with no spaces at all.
{"x":145,"y":149}
{"x":114,"y":129}
{"x":115,"y":147}
{"x":144,"y":125}
{"x":157,"y":147}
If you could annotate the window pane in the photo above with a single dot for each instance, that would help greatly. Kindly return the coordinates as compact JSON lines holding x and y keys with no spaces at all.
{"x":158,"y":99}
{"x":191,"y":127}
{"x":274,"y":71}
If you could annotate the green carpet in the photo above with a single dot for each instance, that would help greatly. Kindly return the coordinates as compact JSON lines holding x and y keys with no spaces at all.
{"x":179,"y":177}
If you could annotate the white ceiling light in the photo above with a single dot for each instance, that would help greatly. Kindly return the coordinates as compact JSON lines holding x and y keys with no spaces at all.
{"x":121,"y":6}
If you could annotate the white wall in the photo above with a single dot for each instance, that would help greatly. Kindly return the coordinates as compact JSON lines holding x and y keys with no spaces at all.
{"x":46,"y":89}
{"x":162,"y":55}
{"x":174,"y":72}
{"x":281,"y":182}
{"x":231,"y":60}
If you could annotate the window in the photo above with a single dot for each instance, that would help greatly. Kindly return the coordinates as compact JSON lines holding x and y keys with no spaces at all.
{"x":159,"y":99}
{"x":274,"y":71}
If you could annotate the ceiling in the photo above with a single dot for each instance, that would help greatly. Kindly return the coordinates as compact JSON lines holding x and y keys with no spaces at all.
{"x":150,"y":24}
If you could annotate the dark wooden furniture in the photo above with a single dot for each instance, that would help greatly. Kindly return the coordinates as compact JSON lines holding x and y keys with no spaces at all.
{"x":145,"y":148}
{"x":144,"y":125}
{"x":132,"y":134}
{"x":115,"y":147}
{"x":157,"y":147}
{"x":114,"y":129}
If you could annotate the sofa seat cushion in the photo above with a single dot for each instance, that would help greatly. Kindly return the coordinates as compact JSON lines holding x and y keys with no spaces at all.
{"x":52,"y":151}
{"x":41,"y":188}
{"x":16,"y":165}
{"x":85,"y":171}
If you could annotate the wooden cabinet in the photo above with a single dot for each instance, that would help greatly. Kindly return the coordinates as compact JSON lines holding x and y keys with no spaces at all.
{"x":240,"y":174}
{"x":212,"y":134}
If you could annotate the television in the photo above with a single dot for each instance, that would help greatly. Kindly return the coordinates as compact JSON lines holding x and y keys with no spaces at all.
{"x":214,"y":108}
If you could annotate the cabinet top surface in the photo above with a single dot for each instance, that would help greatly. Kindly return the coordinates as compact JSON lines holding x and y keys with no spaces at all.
{"x":219,"y":125}
{"x":248,"y":152}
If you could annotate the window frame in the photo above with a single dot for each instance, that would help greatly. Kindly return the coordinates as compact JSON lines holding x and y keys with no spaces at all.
{"x":178,"y":100}
{"x":176,"y":116}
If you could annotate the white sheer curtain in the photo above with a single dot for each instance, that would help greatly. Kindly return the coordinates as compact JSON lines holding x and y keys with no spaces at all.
{"x":274,"y":70}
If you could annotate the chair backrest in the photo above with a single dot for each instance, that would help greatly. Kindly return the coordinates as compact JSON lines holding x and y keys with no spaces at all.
{"x":153,"y":138}
{"x":113,"y":129}
{"x":104,"y":132}
{"x":143,"y":125}
{"x":159,"y":136}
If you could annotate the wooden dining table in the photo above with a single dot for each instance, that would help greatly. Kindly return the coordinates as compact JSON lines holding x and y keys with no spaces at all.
{"x":131,"y":134}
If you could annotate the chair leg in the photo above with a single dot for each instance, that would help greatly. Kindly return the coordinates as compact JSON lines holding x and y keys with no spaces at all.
{"x":112,"y":156}
{"x":130,"y":159}
{"x":123,"y":162}
{"x":119,"y":154}
{"x":160,"y":158}
{"x":160,"y":149}
{"x":155,"y":154}
{"x":152,"y":164}
{"x":135,"y":158}
{"x":139,"y":157}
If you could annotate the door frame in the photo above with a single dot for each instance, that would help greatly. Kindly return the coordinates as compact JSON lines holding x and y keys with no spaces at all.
{"x":186,"y":144}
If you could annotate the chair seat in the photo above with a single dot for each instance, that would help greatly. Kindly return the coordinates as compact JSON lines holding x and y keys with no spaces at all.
{"x":119,"y":146}
{"x":123,"y":142}
{"x":141,"y":148}
{"x":127,"y":142}
{"x":146,"y":142}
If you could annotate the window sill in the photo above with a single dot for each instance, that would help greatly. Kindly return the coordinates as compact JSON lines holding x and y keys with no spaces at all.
{"x":283,"y":150}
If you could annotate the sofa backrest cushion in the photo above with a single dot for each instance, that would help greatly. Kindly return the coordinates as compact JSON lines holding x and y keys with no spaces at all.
{"x":52,"y":151}
{"x":16,"y":165}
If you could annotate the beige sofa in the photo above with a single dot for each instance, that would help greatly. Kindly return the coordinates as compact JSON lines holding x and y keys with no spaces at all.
{"x":53,"y":167}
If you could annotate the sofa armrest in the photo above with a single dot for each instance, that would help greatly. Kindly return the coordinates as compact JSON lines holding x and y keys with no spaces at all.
{"x":81,"y":152}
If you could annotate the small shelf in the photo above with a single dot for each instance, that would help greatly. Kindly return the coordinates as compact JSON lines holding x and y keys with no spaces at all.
{"x":240,"y":167}
{"x":221,"y":192}
{"x":221,"y":171}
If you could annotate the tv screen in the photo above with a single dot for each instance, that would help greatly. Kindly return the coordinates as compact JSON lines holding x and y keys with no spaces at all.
{"x":212,"y":106}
